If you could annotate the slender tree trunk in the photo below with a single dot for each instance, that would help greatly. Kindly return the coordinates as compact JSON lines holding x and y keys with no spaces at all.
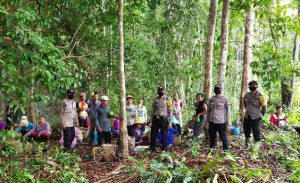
{"x":224,"y":43}
{"x":247,"y":58}
{"x":287,"y":87}
{"x":32,"y":117}
{"x":209,"y":49}
{"x":123,"y":132}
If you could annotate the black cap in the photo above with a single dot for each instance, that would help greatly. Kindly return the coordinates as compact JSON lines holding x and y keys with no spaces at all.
{"x":217,"y":87}
{"x":160,"y":89}
{"x":70,"y":92}
{"x":253,"y":83}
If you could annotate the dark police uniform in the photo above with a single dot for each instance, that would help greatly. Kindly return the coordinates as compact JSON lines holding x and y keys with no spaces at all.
{"x":159,"y":121}
{"x":253,"y":103}
{"x":218,"y":118}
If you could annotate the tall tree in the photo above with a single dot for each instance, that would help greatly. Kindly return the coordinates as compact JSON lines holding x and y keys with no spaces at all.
{"x":211,"y":21}
{"x":247,"y":58}
{"x":224,"y":43}
{"x":123,"y":133}
{"x":287,"y":94}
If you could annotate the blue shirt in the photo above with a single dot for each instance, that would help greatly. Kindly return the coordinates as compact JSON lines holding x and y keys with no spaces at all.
{"x":103,"y":118}
{"x":171,"y":132}
{"x":24,"y":129}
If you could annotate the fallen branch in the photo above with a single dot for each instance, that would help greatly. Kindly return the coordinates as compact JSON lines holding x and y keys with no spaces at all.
{"x":225,"y":177}
{"x":116,"y":171}
{"x":184,"y":153}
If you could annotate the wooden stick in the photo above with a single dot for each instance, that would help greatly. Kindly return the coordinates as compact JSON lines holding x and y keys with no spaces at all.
{"x":116,"y":170}
{"x":225,"y":177}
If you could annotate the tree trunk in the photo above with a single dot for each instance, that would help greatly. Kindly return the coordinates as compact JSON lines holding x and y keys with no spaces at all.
{"x":247,"y":58}
{"x":288,"y":87}
{"x":32,"y":117}
{"x":209,"y":49}
{"x":123,"y":132}
{"x":224,"y":43}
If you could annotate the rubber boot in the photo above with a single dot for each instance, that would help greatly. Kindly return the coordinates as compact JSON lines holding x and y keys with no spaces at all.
{"x":247,"y":143}
{"x":256,"y":146}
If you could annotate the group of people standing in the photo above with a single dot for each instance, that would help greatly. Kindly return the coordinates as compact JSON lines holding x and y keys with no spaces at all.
{"x":165,"y":119}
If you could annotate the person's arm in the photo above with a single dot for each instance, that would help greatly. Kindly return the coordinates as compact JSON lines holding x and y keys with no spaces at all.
{"x":76,"y":122}
{"x":271,"y":120}
{"x":146,"y":115}
{"x":204,"y":106}
{"x":152,"y":113}
{"x":46,"y":129}
{"x":97,"y":120}
{"x":208,"y":112}
{"x":61,"y":113}
{"x":30,"y":132}
{"x":227,"y":114}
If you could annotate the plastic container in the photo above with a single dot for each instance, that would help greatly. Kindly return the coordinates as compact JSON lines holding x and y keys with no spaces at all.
{"x":235,"y":130}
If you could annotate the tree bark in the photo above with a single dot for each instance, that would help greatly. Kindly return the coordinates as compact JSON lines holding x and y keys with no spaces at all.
{"x":123,"y":132}
{"x":247,"y":58}
{"x":209,"y":49}
{"x":32,"y":117}
{"x":287,"y":88}
{"x":224,"y":43}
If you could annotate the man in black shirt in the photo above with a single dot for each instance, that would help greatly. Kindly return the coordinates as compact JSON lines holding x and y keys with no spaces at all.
{"x":200,"y":111}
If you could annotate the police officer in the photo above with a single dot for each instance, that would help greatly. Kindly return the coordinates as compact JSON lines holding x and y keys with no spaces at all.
{"x":68,"y":118}
{"x":159,"y":119}
{"x":255,"y":106}
{"x":218,"y":117}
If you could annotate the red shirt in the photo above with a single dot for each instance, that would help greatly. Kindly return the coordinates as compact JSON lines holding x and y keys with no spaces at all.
{"x":276,"y":120}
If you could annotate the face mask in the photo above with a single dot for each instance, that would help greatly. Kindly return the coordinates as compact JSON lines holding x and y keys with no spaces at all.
{"x":70,"y":96}
{"x":217,"y":91}
{"x":251,"y":88}
{"x":161,"y":93}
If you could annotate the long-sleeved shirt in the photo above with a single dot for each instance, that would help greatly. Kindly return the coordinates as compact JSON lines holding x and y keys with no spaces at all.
{"x":177,"y":108}
{"x":103,"y":116}
{"x":218,"y":110}
{"x":68,"y":114}
{"x":93,"y":109}
{"x":130,"y":114}
{"x":24,"y":129}
{"x":40,"y":128}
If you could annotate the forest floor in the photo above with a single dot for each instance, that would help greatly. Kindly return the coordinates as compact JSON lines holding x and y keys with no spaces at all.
{"x":277,"y":161}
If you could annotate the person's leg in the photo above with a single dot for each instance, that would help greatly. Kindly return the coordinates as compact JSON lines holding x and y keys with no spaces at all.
{"x":164,"y":129}
{"x":178,"y":128}
{"x":100,"y":138}
{"x":154,"y":131}
{"x":45,"y":136}
{"x":92,"y":131}
{"x":67,"y":138}
{"x":197,"y":129}
{"x":143,"y":128}
{"x":222,"y":133}
{"x":84,"y":123}
{"x":247,"y":127}
{"x":80,"y":122}
{"x":212,"y":134}
{"x":107,"y":137}
{"x":256,"y":129}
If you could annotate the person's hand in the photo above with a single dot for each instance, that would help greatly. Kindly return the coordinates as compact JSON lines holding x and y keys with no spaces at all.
{"x":228,"y":129}
{"x":99,"y":129}
{"x":39,"y":134}
{"x":169,"y":125}
{"x":62,"y":126}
